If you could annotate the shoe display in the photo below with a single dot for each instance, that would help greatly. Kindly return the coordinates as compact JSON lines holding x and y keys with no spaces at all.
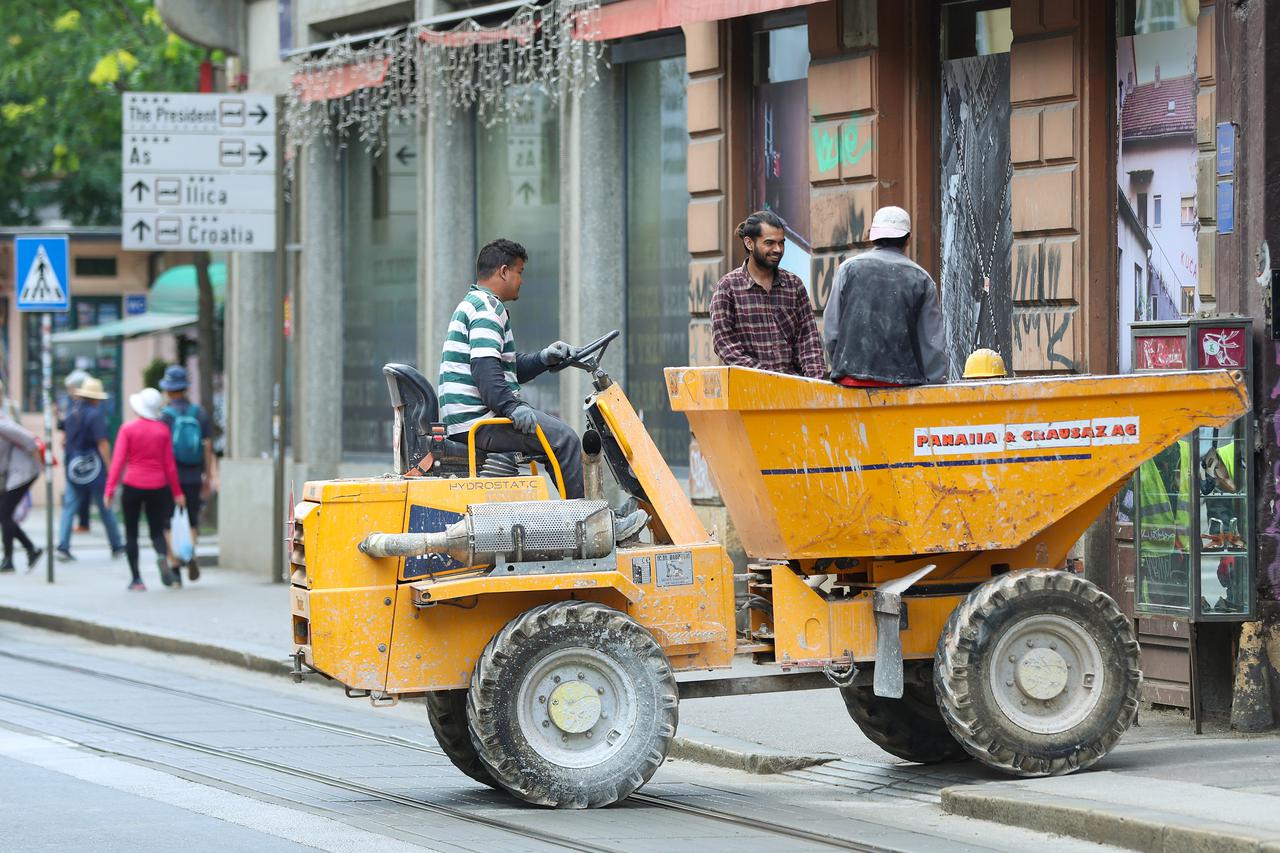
{"x":193,"y":570}
{"x":64,"y":556}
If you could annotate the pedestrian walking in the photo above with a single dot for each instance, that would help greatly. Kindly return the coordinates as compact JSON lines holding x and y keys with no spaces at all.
{"x":63,"y":405}
{"x":88,"y":453}
{"x":143,"y":464}
{"x":192,"y":451}
{"x":20,"y":466}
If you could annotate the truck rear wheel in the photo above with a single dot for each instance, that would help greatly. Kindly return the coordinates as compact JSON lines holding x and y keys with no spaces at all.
{"x":1037,"y":674}
{"x":573,"y":705}
{"x":447,"y":712}
{"x":910,"y":728}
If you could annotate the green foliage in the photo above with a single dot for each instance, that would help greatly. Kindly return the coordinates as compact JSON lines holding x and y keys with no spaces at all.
{"x":63,"y":67}
{"x":153,"y":373}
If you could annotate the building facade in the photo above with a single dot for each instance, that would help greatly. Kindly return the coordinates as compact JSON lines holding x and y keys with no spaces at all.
{"x":1058,"y":159}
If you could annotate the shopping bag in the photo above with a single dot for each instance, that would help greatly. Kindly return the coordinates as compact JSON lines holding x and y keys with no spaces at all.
{"x":23,"y":509}
{"x":180,"y":534}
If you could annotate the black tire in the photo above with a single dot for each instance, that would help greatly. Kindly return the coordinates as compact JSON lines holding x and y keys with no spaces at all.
{"x":910,"y":728}
{"x":532,"y":763}
{"x":1096,"y":707}
{"x":447,"y":711}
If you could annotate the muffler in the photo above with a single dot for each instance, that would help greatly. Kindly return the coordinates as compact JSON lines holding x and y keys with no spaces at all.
{"x":514,"y":532}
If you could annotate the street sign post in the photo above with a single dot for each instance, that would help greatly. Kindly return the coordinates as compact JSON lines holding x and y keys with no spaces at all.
{"x":199,"y":172}
{"x":41,"y":266}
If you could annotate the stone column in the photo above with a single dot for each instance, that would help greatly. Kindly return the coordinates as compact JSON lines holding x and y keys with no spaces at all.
{"x":244,"y":508}
{"x":319,"y":334}
{"x":446,"y":226}
{"x":593,"y":298}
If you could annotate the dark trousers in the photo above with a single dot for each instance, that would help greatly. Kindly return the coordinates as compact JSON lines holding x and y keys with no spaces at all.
{"x":158,"y":505}
{"x":504,"y":438}
{"x":11,"y":530}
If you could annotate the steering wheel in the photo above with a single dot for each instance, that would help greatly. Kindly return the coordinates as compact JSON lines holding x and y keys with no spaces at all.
{"x":580,"y":357}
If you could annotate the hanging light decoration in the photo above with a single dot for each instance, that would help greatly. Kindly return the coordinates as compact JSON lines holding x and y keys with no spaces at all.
{"x":547,"y":49}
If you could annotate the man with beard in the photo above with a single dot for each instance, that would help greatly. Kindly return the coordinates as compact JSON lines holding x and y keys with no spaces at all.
{"x":760,"y":314}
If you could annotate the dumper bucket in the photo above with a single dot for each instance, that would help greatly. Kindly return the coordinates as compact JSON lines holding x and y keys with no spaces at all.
{"x":809,"y":469}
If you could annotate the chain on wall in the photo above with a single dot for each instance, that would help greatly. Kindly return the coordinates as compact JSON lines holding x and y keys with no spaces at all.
{"x":354,"y":93}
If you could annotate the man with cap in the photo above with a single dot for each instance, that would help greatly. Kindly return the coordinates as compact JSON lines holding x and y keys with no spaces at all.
{"x":72,"y":382}
{"x":192,"y":449}
{"x":882,"y":326}
{"x":88,"y":454}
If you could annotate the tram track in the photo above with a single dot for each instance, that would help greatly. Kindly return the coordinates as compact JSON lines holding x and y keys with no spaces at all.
{"x":699,"y":811}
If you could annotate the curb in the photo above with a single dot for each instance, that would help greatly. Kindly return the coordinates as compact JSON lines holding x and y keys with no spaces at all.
{"x":116,"y":635}
{"x":704,"y":747}
{"x":708,"y":747}
{"x":1135,"y":828}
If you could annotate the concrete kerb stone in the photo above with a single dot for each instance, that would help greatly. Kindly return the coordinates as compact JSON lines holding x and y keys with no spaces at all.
{"x":117,"y":635}
{"x":707,"y":747}
{"x":1133,"y":828}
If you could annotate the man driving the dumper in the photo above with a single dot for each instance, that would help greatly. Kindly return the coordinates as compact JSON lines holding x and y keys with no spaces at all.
{"x":481,"y":373}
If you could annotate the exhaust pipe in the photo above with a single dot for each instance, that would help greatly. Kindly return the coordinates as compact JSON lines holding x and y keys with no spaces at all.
{"x":510,"y":532}
{"x":592,"y":466}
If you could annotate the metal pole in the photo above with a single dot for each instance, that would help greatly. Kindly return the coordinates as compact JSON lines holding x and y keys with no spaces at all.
{"x":278,"y":421}
{"x":46,"y":381}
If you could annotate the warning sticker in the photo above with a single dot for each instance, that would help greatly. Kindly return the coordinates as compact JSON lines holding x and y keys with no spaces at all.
{"x":996,"y":438}
{"x":674,"y":569}
{"x":641,"y":570}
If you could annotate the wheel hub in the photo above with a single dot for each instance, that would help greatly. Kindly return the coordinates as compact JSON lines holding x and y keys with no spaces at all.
{"x":574,"y":707}
{"x":1042,"y":674}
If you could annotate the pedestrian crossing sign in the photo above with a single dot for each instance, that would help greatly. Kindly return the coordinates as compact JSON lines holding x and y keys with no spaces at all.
{"x":41,"y":274}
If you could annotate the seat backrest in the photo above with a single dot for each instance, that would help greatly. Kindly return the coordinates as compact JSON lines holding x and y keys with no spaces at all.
{"x":417,"y":408}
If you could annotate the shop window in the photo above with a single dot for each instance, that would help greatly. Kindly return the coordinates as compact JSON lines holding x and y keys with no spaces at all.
{"x":781,"y":139}
{"x":100,"y":358}
{"x":1155,"y":211}
{"x":380,"y":294}
{"x":978,"y":28}
{"x":518,"y":197}
{"x":1188,"y":301}
{"x":657,"y":246}
{"x":1154,"y":16}
{"x":90,"y":267}
{"x":1188,"y":210}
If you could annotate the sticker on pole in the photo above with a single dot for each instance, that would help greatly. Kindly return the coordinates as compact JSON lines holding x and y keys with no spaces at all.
{"x":41,"y":273}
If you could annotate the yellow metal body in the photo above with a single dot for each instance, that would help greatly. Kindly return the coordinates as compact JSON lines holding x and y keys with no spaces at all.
{"x":847,"y":486}
{"x":970,"y":475}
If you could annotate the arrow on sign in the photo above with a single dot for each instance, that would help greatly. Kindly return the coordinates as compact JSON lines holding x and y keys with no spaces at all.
{"x":141,"y":227}
{"x":259,"y":113}
{"x":138,"y":188}
{"x":404,"y":155}
{"x":526,"y":190}
{"x":260,"y":153}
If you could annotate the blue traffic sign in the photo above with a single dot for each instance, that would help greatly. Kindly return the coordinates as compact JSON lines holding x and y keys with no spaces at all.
{"x":135,"y":304}
{"x":41,"y":276}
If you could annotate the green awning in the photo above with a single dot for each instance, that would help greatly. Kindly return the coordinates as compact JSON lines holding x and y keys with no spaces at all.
{"x":174,"y":290}
{"x":129,"y":327}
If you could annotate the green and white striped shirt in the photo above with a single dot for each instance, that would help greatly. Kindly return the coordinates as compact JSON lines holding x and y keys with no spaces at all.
{"x":479,"y":328}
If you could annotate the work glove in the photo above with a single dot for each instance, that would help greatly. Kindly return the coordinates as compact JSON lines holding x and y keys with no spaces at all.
{"x":524,"y":419}
{"x":554,"y":353}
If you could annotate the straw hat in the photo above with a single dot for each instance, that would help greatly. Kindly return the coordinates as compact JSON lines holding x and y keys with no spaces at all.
{"x":147,"y":403}
{"x":91,"y":389}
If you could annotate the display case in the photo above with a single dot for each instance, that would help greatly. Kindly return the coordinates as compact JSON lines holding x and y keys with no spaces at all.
{"x":1193,"y":503}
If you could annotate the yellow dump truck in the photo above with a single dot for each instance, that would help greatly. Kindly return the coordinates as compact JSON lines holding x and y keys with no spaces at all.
{"x":906,"y":545}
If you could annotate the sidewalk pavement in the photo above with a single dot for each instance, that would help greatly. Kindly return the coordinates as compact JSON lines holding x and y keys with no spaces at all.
{"x":1161,"y":789}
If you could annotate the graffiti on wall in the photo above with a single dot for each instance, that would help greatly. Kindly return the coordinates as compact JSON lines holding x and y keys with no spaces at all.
{"x":977,"y":231}
{"x":1037,"y":277}
{"x":830,"y":153}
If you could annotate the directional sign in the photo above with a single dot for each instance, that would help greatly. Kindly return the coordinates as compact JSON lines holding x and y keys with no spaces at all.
{"x":41,"y":273}
{"x":199,"y":172}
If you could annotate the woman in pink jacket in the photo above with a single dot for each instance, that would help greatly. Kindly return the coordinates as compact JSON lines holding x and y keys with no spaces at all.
{"x":144,"y":455}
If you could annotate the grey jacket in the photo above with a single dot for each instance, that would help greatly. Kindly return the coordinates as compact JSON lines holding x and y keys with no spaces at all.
{"x":882,"y":321}
{"x":17,"y":454}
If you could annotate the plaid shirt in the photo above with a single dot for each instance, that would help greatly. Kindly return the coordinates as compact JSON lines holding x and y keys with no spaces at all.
{"x":769,"y":329}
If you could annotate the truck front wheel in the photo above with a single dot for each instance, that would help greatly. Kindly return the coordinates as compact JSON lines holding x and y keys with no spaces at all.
{"x":1036,"y":673}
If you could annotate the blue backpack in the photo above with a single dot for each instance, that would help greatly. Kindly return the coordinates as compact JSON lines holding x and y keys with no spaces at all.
{"x":188,"y":438}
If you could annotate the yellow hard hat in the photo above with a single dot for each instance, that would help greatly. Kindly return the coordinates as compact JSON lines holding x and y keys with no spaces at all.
{"x":984,"y":364}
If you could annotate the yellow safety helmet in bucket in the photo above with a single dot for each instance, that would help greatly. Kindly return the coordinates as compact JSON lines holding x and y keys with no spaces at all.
{"x":984,"y":364}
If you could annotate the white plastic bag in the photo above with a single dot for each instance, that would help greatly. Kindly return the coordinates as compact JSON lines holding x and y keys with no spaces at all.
{"x":180,"y":534}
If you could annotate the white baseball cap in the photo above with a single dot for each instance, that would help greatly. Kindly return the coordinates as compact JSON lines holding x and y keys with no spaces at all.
{"x":890,"y":222}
